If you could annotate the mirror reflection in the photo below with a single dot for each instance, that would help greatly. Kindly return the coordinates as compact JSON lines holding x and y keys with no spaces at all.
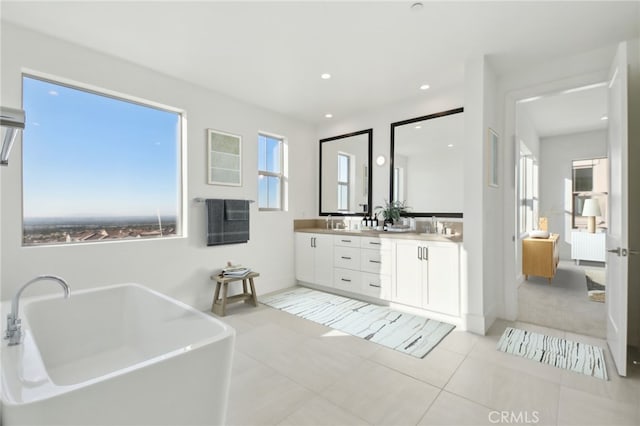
{"x":427,"y":169}
{"x":345,"y":173}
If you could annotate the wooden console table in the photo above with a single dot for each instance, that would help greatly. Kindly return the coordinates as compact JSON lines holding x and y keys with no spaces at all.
{"x":540,"y":257}
{"x":220,"y":302}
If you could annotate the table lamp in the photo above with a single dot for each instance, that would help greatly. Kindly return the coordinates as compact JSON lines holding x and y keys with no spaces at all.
{"x":591,"y":209}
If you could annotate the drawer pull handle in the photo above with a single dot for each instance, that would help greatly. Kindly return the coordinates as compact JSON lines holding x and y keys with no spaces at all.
{"x":375,"y":261}
{"x":346,"y":241}
{"x":374,"y":285}
{"x":375,"y":244}
{"x":345,"y":280}
{"x":346,"y":257}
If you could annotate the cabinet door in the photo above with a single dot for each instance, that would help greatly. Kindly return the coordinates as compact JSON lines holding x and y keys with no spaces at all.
{"x":323,"y":254}
{"x":443,"y":282}
{"x":305,"y":257}
{"x":407,"y":288}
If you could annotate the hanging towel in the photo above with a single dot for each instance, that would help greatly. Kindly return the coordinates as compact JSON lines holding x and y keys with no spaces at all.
{"x":215,"y":222}
{"x":236,"y":210}
{"x":223,"y":228}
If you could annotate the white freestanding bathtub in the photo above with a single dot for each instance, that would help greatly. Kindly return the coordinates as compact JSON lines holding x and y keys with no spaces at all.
{"x":116,"y":355}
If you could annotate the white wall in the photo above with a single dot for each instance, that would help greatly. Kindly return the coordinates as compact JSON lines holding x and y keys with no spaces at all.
{"x":179,"y":267}
{"x":482,"y":204}
{"x":526,"y":131}
{"x":555,"y":165}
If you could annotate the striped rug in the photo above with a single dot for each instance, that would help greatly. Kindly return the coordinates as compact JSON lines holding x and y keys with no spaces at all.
{"x":410,"y":334}
{"x":561,"y":353}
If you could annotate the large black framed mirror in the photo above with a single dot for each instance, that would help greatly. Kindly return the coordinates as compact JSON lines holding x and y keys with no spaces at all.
{"x":427,"y":164}
{"x":345,"y":174}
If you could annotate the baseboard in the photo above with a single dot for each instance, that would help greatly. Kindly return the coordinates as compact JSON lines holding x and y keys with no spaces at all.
{"x":476,"y":324}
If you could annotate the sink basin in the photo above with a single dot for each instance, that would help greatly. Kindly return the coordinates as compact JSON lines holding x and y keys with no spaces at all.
{"x":117,"y":346}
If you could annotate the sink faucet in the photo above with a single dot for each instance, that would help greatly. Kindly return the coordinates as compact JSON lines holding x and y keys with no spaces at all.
{"x":329,"y":222}
{"x":13,"y":332}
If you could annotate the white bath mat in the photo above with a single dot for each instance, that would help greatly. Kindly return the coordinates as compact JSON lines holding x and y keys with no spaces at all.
{"x":410,"y":334}
{"x":561,"y":353}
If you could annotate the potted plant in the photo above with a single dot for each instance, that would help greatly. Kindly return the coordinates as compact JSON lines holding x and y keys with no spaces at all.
{"x":391,"y":211}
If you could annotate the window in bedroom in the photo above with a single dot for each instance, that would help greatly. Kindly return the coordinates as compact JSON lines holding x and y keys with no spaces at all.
{"x":272,"y":172}
{"x":590,"y":179}
{"x":527,"y":190}
{"x":98,"y":167}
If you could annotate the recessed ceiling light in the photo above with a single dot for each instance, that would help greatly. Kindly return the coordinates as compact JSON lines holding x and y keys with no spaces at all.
{"x":450,"y":145}
{"x":604,"y":117}
{"x":418,"y":127}
{"x":328,"y":115}
{"x":424,"y":87}
{"x":417,"y":6}
{"x":325,"y":76}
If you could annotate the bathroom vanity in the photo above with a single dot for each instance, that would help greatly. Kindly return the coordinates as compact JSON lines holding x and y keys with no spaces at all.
{"x":419,"y":271}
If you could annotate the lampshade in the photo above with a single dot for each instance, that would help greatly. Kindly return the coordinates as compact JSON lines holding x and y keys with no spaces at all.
{"x":591,"y":208}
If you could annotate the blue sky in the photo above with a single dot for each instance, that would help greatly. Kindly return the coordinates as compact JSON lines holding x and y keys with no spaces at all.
{"x":89,"y":155}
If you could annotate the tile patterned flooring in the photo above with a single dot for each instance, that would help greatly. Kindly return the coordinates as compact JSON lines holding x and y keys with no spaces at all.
{"x":290,"y":371}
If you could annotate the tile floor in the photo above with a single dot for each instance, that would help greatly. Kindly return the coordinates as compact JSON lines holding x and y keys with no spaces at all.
{"x":563,"y":304}
{"x":290,"y":371}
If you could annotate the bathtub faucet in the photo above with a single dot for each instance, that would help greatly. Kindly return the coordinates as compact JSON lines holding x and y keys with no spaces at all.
{"x":14,"y":333}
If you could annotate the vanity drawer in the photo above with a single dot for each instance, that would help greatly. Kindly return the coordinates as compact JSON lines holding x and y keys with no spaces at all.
{"x":376,"y":285}
{"x":375,"y":261}
{"x":346,"y":257}
{"x":347,"y":279}
{"x":375,"y":243}
{"x":346,"y":241}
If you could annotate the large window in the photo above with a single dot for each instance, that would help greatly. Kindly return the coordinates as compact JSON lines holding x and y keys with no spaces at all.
{"x":97,"y":167}
{"x":271,"y":172}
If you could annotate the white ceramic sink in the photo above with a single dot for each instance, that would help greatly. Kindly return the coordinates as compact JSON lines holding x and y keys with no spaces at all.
{"x":116,"y":346}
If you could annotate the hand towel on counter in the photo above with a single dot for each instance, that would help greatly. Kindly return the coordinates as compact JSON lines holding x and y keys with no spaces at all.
{"x":221,"y":230}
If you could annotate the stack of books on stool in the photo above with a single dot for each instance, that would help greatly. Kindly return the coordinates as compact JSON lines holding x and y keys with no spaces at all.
{"x":236,"y":271}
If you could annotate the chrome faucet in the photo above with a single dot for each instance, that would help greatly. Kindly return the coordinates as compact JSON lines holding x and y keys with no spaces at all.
{"x":13,"y":332}
{"x":329,"y":222}
{"x":434,"y":225}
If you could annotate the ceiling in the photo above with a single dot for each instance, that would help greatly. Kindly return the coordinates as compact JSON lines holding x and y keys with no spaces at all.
{"x":576,"y":110}
{"x":272,"y":54}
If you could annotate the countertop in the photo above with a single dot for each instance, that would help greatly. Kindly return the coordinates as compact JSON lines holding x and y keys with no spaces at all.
{"x":457,"y":238}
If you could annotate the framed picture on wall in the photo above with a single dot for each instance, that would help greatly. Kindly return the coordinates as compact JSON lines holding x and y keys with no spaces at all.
{"x":224,"y":153}
{"x":493,"y":163}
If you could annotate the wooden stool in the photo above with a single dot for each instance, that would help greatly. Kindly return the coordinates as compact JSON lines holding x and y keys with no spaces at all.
{"x":220,"y":303}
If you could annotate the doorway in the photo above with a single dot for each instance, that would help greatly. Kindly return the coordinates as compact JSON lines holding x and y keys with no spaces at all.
{"x":561,"y":141}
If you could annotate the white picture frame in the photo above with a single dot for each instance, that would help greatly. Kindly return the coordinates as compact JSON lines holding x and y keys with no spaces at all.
{"x":224,"y":158}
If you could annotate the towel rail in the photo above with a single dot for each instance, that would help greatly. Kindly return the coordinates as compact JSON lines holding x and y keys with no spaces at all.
{"x":202,"y":200}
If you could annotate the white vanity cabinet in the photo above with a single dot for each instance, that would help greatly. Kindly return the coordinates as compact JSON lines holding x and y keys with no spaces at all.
{"x":417,"y":273}
{"x":314,"y":258}
{"x":426,"y":275}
